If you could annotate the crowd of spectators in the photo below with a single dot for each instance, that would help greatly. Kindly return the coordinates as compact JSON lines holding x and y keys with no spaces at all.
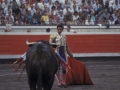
{"x":52,"y":12}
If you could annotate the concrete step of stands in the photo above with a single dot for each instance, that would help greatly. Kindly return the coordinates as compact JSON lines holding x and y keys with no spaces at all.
{"x":42,"y":29}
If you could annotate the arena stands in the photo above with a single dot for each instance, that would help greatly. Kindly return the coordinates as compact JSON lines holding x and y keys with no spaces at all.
{"x":52,"y":12}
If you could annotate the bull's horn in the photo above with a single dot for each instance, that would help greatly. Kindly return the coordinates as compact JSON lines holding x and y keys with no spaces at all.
{"x":28,"y":43}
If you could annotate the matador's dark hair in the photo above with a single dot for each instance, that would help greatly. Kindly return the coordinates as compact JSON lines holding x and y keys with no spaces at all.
{"x":60,"y":25}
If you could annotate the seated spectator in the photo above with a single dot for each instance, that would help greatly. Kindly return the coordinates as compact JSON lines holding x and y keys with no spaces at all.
{"x":57,"y":4}
{"x":29,"y":16}
{"x":111,"y":20}
{"x":35,"y":5}
{"x":106,"y":14}
{"x":117,"y":22}
{"x":74,"y":7}
{"x":26,"y":21}
{"x":32,"y":9}
{"x":27,"y":4}
{"x":96,"y":21}
{"x":19,"y":22}
{"x":53,"y":15}
{"x":70,"y":21}
{"x":34,"y":21}
{"x":10,"y":16}
{"x":115,"y":15}
{"x":96,"y":6}
{"x":45,"y":18}
{"x":70,"y":30}
{"x":65,"y":4}
{"x":60,"y":17}
{"x":75,"y":16}
{"x":46,"y":8}
{"x":7,"y":9}
{"x":65,"y":20}
{"x":89,"y":21}
{"x":1,"y":13}
{"x":83,"y":9}
{"x":118,"y":12}
{"x":79,"y":21}
{"x":92,"y":16}
{"x":58,"y":10}
{"x":23,"y":11}
{"x":37,"y":16}
{"x":103,"y":21}
{"x":16,"y":11}
{"x":2,"y":20}
{"x":99,"y":16}
{"x":116,"y":5}
{"x":89,"y":10}
{"x":66,"y":10}
{"x":4,"y":4}
{"x":107,"y":4}
{"x":83,"y":15}
{"x":101,"y":8}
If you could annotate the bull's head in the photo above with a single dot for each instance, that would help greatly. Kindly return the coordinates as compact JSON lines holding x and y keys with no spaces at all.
{"x":43,"y":49}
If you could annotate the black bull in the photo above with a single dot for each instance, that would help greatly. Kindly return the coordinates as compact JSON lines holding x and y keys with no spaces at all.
{"x":41,"y":66}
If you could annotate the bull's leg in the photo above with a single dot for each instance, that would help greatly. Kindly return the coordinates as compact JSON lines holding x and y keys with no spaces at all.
{"x":39,"y":82}
{"x":32,"y":83}
{"x":48,"y":85}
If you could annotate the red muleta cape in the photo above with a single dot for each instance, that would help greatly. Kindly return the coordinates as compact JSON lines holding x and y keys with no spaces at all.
{"x":79,"y":74}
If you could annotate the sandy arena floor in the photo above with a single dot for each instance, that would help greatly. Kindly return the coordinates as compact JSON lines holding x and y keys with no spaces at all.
{"x":104,"y":74}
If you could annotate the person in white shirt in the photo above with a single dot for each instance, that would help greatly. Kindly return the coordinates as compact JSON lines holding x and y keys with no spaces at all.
{"x":111,"y":20}
{"x":67,"y":9}
{"x":96,"y":5}
{"x":7,"y":9}
{"x":4,"y":4}
{"x":66,"y":3}
{"x":115,"y":15}
{"x":75,"y":16}
{"x":89,"y":21}
{"x":32,"y":9}
{"x":116,"y":5}
{"x":70,"y":30}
